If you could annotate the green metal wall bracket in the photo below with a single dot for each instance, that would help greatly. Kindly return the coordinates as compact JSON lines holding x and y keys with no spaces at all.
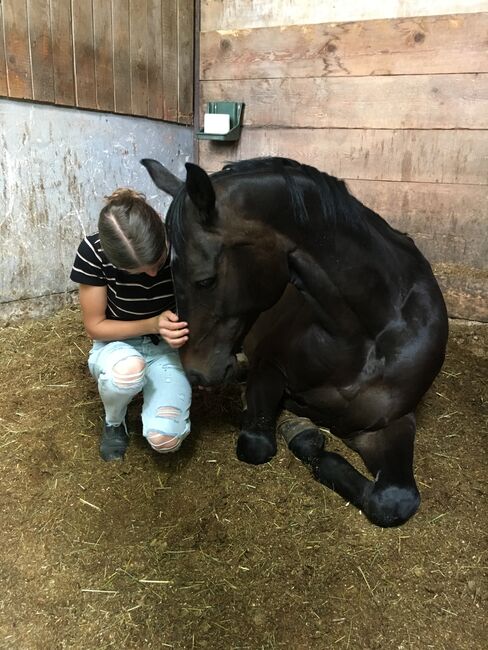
{"x":236,"y":112}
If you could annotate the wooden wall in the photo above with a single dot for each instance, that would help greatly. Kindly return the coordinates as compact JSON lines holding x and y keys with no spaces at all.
{"x":125,"y":56}
{"x":398,"y":107}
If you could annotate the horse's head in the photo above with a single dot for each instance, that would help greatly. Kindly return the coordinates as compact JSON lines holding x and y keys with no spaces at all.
{"x":228,"y":267}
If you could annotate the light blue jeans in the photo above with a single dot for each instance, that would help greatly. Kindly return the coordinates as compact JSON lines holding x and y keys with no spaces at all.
{"x":158,"y":373}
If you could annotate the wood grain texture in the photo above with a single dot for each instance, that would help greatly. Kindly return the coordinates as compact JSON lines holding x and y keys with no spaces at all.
{"x":170,"y":59}
{"x":121,"y":35}
{"x":426,"y":45}
{"x":41,"y":50}
{"x":3,"y":60}
{"x":404,"y":102}
{"x":103,"y":44}
{"x":448,"y":222}
{"x":185,"y":60}
{"x":84,"y":55}
{"x":243,"y":14}
{"x":138,"y":56}
{"x":62,"y":50}
{"x":16,"y":36}
{"x":155,"y":59}
{"x":439,"y":156}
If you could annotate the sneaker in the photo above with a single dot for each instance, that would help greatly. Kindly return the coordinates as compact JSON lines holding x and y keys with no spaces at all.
{"x":114,"y":442}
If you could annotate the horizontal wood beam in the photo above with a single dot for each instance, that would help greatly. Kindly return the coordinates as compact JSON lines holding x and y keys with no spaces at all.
{"x":440,"y":156}
{"x":415,"y":101}
{"x":423,"y":45}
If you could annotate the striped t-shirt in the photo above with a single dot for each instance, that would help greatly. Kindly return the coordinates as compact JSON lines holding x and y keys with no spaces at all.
{"x":129,"y":296}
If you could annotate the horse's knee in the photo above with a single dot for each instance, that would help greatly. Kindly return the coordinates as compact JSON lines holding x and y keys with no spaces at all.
{"x":128,"y":373}
{"x":391,"y":505}
{"x":255,"y":448}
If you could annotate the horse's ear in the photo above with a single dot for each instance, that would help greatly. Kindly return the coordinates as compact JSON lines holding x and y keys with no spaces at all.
{"x":162,"y":177}
{"x":200,"y":189}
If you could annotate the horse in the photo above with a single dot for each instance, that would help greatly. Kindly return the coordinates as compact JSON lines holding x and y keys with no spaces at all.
{"x":340,"y":316}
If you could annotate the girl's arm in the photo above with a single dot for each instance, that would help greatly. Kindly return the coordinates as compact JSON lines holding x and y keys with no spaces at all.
{"x":93,"y":302}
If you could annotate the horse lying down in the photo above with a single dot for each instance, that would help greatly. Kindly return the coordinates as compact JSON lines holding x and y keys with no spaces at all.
{"x":341,"y":318}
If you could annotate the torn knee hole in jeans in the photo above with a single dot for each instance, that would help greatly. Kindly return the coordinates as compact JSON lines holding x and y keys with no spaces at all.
{"x":168,"y":412}
{"x":161,"y":441}
{"x":128,"y":373}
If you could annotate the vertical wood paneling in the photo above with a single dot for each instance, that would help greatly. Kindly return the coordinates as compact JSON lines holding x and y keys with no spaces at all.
{"x":85,"y":82}
{"x":39,"y":20}
{"x":3,"y":62}
{"x":127,"y":56}
{"x":170,"y":59}
{"x":62,"y":51}
{"x":17,"y":48}
{"x":121,"y":56}
{"x":155,"y":59}
{"x":138,"y":55}
{"x":104,"y":70}
{"x":185,"y":60}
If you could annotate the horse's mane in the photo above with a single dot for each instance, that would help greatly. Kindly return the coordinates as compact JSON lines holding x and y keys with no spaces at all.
{"x":337,"y":204}
{"x":336,"y":201}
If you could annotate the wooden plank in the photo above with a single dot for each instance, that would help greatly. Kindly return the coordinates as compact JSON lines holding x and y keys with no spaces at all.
{"x":16,"y":33}
{"x":138,"y":56}
{"x":465,"y":291}
{"x":103,"y":45}
{"x":185,"y":61}
{"x":155,"y":60}
{"x":121,"y":37}
{"x":426,"y":45}
{"x":415,"y":101}
{"x":39,"y":20}
{"x":170,"y":59}
{"x":439,"y":156}
{"x":62,"y":51}
{"x":236,"y":14}
{"x":448,"y":222}
{"x":3,"y":61}
{"x":84,"y":55}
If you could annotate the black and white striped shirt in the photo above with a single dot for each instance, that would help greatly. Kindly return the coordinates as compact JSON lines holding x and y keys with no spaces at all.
{"x":129,"y":296}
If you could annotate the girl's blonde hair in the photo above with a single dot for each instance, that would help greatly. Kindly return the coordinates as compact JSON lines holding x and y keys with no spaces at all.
{"x":132,"y":233}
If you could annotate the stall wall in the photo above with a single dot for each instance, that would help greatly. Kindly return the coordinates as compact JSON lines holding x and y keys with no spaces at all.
{"x":56,"y":165}
{"x":390,"y":96}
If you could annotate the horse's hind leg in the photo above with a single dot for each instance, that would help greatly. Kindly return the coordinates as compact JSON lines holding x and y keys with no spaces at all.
{"x":388,"y":454}
{"x":306,"y":442}
{"x":392,"y":498}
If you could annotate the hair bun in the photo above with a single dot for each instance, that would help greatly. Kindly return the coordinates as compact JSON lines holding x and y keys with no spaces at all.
{"x":123,"y":194}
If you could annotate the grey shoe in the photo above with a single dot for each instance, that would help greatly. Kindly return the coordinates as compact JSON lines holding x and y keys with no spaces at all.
{"x":114,"y":442}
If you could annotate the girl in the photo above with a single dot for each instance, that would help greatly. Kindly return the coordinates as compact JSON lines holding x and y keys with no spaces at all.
{"x":128,"y":307}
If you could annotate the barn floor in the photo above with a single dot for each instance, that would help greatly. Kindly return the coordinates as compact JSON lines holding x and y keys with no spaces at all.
{"x":198,"y":550}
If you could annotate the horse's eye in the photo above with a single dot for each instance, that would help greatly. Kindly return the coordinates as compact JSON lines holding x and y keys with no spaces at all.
{"x":207,"y":283}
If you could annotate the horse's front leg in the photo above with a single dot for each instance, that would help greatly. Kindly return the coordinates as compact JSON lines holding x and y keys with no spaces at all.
{"x":393,"y":497}
{"x":264,"y":391}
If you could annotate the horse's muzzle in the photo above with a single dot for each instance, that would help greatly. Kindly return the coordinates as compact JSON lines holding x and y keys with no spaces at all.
{"x":214,"y":375}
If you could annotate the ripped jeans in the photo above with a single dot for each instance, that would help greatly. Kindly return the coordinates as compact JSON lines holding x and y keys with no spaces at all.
{"x":125,"y":368}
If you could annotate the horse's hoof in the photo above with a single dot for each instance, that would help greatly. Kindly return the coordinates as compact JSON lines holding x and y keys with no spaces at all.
{"x":391,"y":505}
{"x":255,"y":448}
{"x":307,"y":445}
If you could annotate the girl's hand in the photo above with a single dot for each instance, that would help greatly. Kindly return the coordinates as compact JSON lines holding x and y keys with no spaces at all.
{"x":173,"y":331}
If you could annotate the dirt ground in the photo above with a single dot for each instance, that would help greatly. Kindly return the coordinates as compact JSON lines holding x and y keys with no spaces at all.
{"x":198,"y":550}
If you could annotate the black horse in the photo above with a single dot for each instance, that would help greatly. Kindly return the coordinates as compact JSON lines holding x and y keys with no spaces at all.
{"x":354,"y":327}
